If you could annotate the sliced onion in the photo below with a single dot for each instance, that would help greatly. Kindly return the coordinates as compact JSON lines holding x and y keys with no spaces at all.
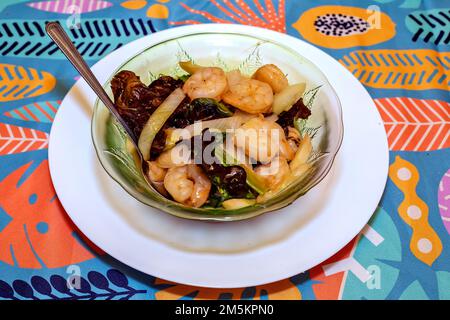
{"x":157,"y":120}
{"x":178,"y":156}
{"x":303,"y":152}
{"x":273,"y":117}
{"x":189,"y":66}
{"x":223,"y":124}
{"x":235,"y":204}
{"x":245,"y":116}
{"x":284,"y":100}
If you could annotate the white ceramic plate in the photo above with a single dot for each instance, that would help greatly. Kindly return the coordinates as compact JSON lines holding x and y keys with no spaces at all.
{"x":222,"y":255}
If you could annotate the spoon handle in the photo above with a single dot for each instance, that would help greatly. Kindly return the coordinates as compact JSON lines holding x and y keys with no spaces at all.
{"x":62,"y":40}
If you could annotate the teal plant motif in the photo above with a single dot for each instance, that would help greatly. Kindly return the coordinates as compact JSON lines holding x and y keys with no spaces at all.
{"x":430,"y":26}
{"x":407,"y":4}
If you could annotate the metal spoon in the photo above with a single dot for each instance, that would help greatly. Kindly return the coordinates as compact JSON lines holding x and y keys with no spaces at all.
{"x":62,"y":40}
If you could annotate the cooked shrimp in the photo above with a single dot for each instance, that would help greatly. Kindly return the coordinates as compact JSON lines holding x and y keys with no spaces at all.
{"x":177,"y":156}
{"x":294,"y":138}
{"x":274,"y":173}
{"x":249,"y":95}
{"x":208,"y":82}
{"x":289,"y":147}
{"x":156,"y":176}
{"x":155,"y":172}
{"x":188,"y":185}
{"x":273,"y":76}
{"x":286,"y":150}
{"x":233,"y":77}
{"x":260,"y":139}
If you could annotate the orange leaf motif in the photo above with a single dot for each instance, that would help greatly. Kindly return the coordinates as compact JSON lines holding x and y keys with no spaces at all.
{"x":35,"y":231}
{"x":415,"y":124}
{"x":15,"y":139}
{"x":20,"y":83}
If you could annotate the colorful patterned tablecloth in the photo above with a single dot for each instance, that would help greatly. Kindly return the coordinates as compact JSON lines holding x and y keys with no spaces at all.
{"x":399,"y":49}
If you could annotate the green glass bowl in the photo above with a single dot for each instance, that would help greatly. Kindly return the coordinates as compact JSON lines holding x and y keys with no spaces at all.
{"x":228,"y":51}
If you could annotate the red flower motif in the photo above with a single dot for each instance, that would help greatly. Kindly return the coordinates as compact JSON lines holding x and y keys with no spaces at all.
{"x":240,"y":12}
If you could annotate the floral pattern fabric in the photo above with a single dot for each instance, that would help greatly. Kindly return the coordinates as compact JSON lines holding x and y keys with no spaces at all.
{"x":398,"y":49}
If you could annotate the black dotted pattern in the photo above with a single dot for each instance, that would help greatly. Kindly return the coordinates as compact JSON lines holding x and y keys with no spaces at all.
{"x":340,"y":25}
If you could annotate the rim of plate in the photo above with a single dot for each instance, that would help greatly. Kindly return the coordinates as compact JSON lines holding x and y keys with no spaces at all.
{"x":235,"y":269}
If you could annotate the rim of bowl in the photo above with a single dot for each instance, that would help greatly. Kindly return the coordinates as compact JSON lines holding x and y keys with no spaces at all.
{"x":236,"y":216}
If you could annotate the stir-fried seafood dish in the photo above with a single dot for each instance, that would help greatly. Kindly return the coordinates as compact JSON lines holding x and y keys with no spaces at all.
{"x":217,"y":139}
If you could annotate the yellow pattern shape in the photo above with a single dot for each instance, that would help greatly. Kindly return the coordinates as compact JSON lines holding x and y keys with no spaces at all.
{"x":380,"y":31}
{"x":158,"y":11}
{"x":425,"y":243}
{"x":281,"y":290}
{"x":18,"y":82}
{"x":400,"y":69}
{"x":134,"y":4}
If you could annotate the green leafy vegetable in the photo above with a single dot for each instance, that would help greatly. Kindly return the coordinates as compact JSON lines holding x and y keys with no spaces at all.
{"x":218,"y":194}
{"x":184,"y":77}
{"x":211,"y":104}
{"x":253,"y":180}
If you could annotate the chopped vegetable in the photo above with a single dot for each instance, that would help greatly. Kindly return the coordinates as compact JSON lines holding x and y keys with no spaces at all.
{"x":245,"y":116}
{"x":135,"y":101}
{"x":211,"y":105}
{"x":284,"y":100}
{"x":227,"y":182}
{"x":298,"y":174}
{"x":217,"y":196}
{"x":184,"y":77}
{"x":302,"y":154}
{"x":273,"y":117}
{"x":157,"y":120}
{"x":189,"y":66}
{"x":234,"y":204}
{"x":299,"y":171}
{"x":179,"y":155}
{"x":232,"y":179}
{"x":295,"y":116}
{"x":198,"y":109}
{"x":253,"y":180}
{"x":222,"y":124}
